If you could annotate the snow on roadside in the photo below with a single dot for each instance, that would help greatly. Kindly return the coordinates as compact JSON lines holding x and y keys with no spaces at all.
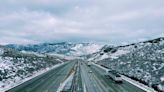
{"x":135,"y":83}
{"x":66,"y":82}
{"x":12,"y":85}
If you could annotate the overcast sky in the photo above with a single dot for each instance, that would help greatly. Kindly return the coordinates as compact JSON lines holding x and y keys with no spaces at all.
{"x":101,"y":21}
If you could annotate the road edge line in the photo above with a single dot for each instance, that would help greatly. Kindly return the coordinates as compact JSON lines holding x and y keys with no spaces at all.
{"x":135,"y":83}
{"x":31,"y":77}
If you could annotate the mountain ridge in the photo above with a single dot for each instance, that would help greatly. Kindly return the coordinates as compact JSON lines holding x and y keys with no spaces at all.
{"x":66,"y":48}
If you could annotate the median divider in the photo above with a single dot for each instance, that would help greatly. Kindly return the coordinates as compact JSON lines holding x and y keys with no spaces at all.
{"x":66,"y":85}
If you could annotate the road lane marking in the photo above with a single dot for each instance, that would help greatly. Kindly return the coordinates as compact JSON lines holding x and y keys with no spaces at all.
{"x":85,"y":90}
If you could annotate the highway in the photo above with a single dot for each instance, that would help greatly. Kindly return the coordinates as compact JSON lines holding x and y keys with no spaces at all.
{"x":90,"y":80}
{"x":96,"y":82}
{"x":84,"y":80}
{"x":48,"y":82}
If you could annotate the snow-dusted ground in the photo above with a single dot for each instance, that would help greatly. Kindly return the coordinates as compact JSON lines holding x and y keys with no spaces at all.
{"x":1,"y":51}
{"x":137,"y":84}
{"x":17,"y":67}
{"x":81,"y":49}
{"x":8,"y":86}
{"x":63,"y":56}
{"x":65,"y":48}
{"x":142,"y":61}
{"x":118,"y":53}
{"x":13,"y":71}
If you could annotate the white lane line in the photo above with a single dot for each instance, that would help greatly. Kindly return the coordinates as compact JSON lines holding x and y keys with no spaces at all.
{"x":84,"y":87}
{"x":137,"y":84}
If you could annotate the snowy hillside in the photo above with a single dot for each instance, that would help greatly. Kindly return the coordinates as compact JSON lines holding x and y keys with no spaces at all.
{"x":64,"y":48}
{"x":85,"y":49}
{"x":142,"y":61}
{"x":16,"y":66}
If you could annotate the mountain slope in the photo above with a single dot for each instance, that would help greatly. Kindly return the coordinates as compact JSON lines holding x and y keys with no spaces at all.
{"x":69,"y":49}
{"x":142,"y":61}
{"x":16,"y":66}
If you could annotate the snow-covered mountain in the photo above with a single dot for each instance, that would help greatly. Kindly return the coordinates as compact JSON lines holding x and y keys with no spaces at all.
{"x":142,"y":61}
{"x":64,"y":48}
{"x":16,"y":66}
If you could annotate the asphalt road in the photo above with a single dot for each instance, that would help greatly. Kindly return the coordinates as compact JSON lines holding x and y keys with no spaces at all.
{"x":90,"y":80}
{"x":48,"y":82}
{"x":96,"y":82}
{"x":84,"y":81}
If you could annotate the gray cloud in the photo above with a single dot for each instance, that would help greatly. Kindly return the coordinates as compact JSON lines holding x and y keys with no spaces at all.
{"x":117,"y":22}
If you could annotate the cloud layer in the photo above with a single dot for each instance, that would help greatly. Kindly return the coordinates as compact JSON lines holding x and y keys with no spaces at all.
{"x":116,"y":22}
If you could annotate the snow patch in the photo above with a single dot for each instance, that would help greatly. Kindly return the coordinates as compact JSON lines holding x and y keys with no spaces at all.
{"x":1,"y":51}
{"x":104,"y":56}
{"x":162,"y":78}
{"x":81,"y":49}
{"x":66,"y":82}
{"x":4,"y":86}
{"x":119,"y":53}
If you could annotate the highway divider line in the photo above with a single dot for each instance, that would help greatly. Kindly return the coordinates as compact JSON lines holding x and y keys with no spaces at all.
{"x":83,"y":81}
{"x":29,"y":78}
{"x":84,"y":87}
{"x":131,"y":81}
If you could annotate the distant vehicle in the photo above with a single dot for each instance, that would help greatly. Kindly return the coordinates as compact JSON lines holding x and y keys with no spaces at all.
{"x":114,"y":76}
{"x":90,"y":71}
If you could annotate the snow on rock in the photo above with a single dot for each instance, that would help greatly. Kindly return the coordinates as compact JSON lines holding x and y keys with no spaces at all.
{"x":1,"y":51}
{"x":118,"y":53}
{"x":162,"y":77}
{"x":65,"y":48}
{"x":81,"y":49}
{"x":104,"y":56}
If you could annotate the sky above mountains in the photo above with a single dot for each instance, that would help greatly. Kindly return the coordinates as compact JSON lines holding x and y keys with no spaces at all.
{"x":101,"y":21}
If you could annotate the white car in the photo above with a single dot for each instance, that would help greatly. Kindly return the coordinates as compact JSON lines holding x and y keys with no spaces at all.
{"x":115,"y":76}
